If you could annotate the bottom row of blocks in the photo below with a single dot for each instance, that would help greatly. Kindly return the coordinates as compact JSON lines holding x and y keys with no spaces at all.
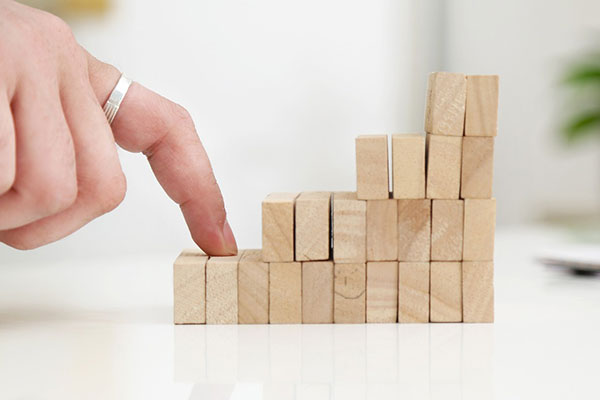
{"x":244,"y":289}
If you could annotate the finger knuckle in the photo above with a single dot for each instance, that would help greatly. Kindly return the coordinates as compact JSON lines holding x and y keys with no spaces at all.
{"x":111,"y":192}
{"x":56,"y":196}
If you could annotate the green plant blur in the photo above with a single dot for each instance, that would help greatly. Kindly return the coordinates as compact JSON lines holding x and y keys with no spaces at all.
{"x":582,"y":79}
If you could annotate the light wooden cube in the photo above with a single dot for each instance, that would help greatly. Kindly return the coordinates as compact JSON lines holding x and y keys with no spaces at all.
{"x":285,"y":293}
{"x":444,"y":155}
{"x":480,"y":226}
{"x":447,"y":230}
{"x":317,"y":292}
{"x":446,"y":100}
{"x":408,"y":166}
{"x":382,"y":291}
{"x":349,"y":228}
{"x":372,"y":174}
{"x":382,"y":230}
{"x":482,"y":105}
{"x":222,"y":289}
{"x":278,"y":227}
{"x":446,"y":291}
{"x":413,"y":292}
{"x":414,"y":230}
{"x":313,"y":210}
{"x":478,"y":291}
{"x":477,"y":168}
{"x":350,"y":293}
{"x":189,"y":288}
{"x":253,"y":288}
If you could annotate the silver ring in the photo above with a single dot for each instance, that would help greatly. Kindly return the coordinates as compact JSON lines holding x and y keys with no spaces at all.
{"x":116,"y":97}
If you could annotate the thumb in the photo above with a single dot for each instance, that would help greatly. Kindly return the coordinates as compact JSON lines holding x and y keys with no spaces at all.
{"x":164,"y":132}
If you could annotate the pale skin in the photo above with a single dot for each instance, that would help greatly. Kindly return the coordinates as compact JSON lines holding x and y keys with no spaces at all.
{"x":59,"y":167}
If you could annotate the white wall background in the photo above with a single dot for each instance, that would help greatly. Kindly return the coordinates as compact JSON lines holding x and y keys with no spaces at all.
{"x":279,"y":90}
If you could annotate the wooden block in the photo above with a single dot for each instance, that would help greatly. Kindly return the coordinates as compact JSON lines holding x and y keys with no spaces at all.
{"x":413,"y":292}
{"x":350,"y":293}
{"x":382,"y":291}
{"x":447,"y":230}
{"x":222,"y":289}
{"x":349,"y":228}
{"x":414,"y":230}
{"x":478,"y":291}
{"x":189,"y":288}
{"x":482,"y":105}
{"x":408,"y":166}
{"x":278,"y":227}
{"x":372,"y":167}
{"x":253,"y":289}
{"x":285,"y":293}
{"x":446,"y":291}
{"x":317,"y":292}
{"x":382,"y":230}
{"x":446,"y":100}
{"x":312,"y":226}
{"x":477,"y":168}
{"x":480,"y":225}
{"x":444,"y":155}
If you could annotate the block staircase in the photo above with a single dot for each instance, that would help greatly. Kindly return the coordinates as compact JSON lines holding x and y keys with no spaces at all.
{"x":420,"y":253}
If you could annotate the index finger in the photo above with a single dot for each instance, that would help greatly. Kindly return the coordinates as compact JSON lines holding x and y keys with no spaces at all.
{"x":164,"y":132}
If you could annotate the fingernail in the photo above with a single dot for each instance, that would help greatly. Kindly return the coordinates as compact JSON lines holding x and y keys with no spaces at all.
{"x":230,"y":244}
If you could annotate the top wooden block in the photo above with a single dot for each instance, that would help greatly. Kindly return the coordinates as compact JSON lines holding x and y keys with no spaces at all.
{"x":313,"y":210}
{"x":278,"y":227}
{"x":445,"y":111}
{"x":482,"y":105}
{"x":372,"y":176}
{"x":408,"y":166}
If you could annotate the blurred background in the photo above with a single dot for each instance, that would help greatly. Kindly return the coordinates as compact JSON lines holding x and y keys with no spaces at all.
{"x":279,"y":90}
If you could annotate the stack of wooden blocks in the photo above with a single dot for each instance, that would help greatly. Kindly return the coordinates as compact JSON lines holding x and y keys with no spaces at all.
{"x":422,"y":253}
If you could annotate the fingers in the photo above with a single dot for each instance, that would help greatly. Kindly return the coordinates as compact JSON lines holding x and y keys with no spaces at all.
{"x":45,"y":181}
{"x":7,"y":146}
{"x":100,"y":179}
{"x":165,"y":133}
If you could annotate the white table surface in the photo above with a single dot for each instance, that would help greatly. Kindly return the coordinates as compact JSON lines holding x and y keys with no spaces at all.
{"x":101,"y":329}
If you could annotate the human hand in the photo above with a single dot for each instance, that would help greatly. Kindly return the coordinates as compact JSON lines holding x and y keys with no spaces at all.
{"x":59,"y":167}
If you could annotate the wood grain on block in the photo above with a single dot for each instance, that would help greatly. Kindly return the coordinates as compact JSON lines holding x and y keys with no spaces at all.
{"x":189,"y":288}
{"x":372,"y":167}
{"x":413,"y":292}
{"x":349,"y":228}
{"x":477,"y":168}
{"x":382,"y":230}
{"x":222,"y":289}
{"x":408,"y":166}
{"x":350,"y":293}
{"x":482,"y":105}
{"x":414,"y":230}
{"x":253,"y":289}
{"x":317,"y":292}
{"x":285,"y":293}
{"x":312,"y":226}
{"x":478,"y":291}
{"x":444,"y":155}
{"x":382,"y":291}
{"x":446,"y":291}
{"x":446,"y":100}
{"x":480,"y":225}
{"x":447,"y":230}
{"x":278,"y":227}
